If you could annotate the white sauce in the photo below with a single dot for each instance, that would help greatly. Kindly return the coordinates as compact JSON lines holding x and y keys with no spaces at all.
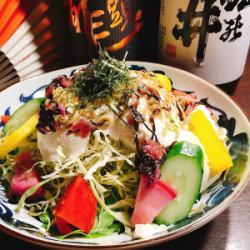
{"x":165,"y":136}
{"x":101,"y":110}
{"x":132,"y":74}
{"x":119,"y":131}
{"x":146,"y":231}
{"x":72,"y":146}
{"x":143,"y":109}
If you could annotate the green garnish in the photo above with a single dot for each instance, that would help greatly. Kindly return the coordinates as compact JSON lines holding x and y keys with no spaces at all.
{"x":103,"y":77}
{"x":45,"y":219}
{"x":105,"y":224}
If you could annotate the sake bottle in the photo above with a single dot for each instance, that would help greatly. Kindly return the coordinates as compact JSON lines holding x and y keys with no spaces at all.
{"x":119,"y":26}
{"x":208,"y":38}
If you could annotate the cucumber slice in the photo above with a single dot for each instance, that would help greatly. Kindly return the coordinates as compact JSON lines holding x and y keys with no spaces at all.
{"x":183,"y":170}
{"x":22,"y":114}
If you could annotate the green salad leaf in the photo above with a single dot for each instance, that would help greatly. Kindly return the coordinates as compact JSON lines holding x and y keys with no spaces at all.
{"x":105,"y":224}
{"x":45,"y":219}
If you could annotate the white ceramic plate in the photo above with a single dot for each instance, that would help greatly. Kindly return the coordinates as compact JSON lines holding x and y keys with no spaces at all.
{"x":216,"y":198}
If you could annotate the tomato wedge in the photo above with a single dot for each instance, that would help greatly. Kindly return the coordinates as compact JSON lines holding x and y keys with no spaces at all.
{"x":62,"y":226}
{"x":151,"y":200}
{"x":77,"y":207}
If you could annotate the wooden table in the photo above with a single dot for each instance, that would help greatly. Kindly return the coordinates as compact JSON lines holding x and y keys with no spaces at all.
{"x":229,"y":231}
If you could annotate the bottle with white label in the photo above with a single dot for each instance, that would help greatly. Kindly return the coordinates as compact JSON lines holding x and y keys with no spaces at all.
{"x":208,"y":38}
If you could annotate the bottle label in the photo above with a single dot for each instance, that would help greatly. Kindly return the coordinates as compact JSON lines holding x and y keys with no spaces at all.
{"x":208,"y":38}
{"x":112,"y":23}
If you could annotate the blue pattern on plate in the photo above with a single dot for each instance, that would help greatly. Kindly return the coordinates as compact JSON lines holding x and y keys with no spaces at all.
{"x":5,"y":212}
{"x":72,"y":72}
{"x":23,"y":98}
{"x":136,"y":67}
{"x":217,"y":197}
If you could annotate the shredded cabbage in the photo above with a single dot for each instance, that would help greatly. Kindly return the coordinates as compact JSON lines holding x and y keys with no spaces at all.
{"x":106,"y":164}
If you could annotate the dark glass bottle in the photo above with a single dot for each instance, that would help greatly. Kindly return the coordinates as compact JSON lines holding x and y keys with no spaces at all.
{"x":229,"y":87}
{"x":119,"y":26}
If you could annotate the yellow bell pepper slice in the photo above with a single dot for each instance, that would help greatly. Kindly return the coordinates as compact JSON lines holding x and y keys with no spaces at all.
{"x":165,"y":81}
{"x":14,"y":139}
{"x":217,"y":153}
